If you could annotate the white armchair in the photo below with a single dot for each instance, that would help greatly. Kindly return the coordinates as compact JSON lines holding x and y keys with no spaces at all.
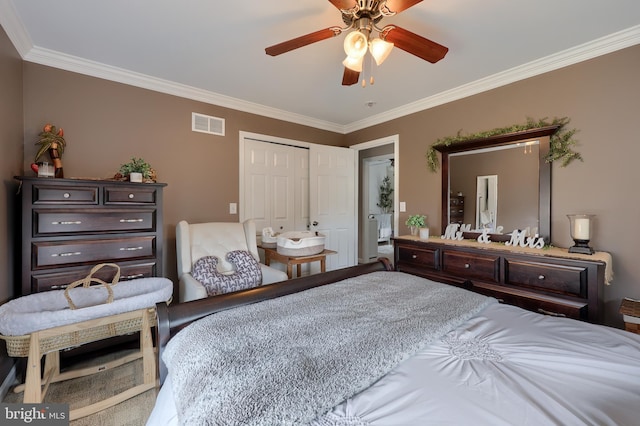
{"x":194,"y":241}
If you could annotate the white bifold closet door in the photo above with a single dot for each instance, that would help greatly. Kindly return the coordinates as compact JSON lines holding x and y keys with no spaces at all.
{"x":295,"y":188}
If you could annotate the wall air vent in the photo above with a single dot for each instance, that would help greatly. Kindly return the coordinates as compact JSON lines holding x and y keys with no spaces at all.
{"x":207,"y":124}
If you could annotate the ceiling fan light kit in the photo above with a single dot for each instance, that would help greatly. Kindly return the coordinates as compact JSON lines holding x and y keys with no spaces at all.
{"x":363,"y":16}
{"x":354,"y":63}
{"x":355,"y":44}
{"x":380,"y":49}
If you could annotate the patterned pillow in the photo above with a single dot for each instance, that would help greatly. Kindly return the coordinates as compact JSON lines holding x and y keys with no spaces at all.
{"x":247,"y":273}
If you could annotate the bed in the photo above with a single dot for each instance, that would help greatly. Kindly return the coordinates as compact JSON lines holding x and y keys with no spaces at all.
{"x":369,"y":346}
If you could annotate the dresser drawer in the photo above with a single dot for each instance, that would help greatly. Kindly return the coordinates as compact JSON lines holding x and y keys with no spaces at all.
{"x":47,"y":254}
{"x":53,"y":194}
{"x":546,"y":277}
{"x":139,"y":195}
{"x":471,"y":265}
{"x":60,"y":280}
{"x":425,"y":258}
{"x":59,"y":222}
{"x":543,"y":305}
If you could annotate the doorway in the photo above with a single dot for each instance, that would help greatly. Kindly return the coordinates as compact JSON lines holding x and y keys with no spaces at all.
{"x":380,"y":154}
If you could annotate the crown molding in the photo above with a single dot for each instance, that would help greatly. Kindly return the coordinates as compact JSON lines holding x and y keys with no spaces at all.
{"x":608,"y":44}
{"x":20,"y":38}
{"x":95,"y":69}
{"x":12,"y":25}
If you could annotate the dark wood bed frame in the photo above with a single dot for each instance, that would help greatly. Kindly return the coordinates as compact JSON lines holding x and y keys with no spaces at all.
{"x":173,"y":318}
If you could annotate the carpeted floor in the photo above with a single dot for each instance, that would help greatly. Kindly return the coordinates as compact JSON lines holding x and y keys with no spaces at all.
{"x":86,"y":390}
{"x":385,"y":250}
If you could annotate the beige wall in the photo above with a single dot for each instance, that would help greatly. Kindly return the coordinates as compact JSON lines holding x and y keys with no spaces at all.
{"x":601,"y":97}
{"x":106,"y":123}
{"x":10,"y":165}
{"x":11,"y":158}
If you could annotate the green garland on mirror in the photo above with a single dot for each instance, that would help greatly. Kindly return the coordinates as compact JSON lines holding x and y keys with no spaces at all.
{"x":560,"y":143}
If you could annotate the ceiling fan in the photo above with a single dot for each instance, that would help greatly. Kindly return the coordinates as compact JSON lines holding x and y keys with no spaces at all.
{"x":363,"y":16}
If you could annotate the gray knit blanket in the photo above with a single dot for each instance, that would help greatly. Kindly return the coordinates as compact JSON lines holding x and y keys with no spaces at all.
{"x":288,"y":360}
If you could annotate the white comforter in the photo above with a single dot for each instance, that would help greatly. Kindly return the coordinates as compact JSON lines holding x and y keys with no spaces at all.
{"x":505,"y":366}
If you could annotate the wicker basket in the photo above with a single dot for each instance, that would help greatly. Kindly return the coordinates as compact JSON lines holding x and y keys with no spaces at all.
{"x":69,"y":335}
{"x":18,"y":346}
{"x":630,"y":309}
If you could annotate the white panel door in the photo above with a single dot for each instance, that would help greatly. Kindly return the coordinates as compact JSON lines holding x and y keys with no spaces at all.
{"x":269,"y":179}
{"x":332,"y":209}
{"x":301,"y":198}
{"x":256,"y":203}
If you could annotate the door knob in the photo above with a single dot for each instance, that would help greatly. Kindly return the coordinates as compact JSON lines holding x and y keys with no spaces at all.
{"x":315,"y":223}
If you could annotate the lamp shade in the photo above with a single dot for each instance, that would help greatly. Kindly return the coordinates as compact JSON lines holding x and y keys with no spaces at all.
{"x":380,"y":49}
{"x":355,"y":44}
{"x":353,"y":63}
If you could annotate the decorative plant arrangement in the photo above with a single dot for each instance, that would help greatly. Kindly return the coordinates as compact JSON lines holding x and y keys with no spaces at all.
{"x":136,"y":170}
{"x":560,"y":145}
{"x":385,"y":200}
{"x":51,"y":140}
{"x":415,"y":222}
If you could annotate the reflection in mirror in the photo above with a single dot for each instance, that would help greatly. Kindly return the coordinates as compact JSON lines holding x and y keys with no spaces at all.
{"x":487,"y":203}
{"x":523,"y":182}
{"x":517,"y":166}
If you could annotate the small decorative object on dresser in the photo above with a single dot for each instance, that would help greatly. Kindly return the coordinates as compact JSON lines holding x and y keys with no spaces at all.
{"x":53,"y":142}
{"x":136,"y":170}
{"x":415,"y":222}
{"x":580,"y":227}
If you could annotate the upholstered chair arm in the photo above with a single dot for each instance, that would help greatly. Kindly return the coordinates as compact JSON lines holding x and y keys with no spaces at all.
{"x":191,"y":289}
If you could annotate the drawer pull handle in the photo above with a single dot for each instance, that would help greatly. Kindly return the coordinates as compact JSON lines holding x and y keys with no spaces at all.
{"x":467,"y":266}
{"x":131,"y":195}
{"x":131,"y":248}
{"x":414,"y":256}
{"x":71,"y":253}
{"x":131,"y":277}
{"x":66,"y":195}
{"x":131,"y":220}
{"x":69,"y":222}
{"x":541,"y":277}
{"x":58,"y":287}
{"x":553,"y":314}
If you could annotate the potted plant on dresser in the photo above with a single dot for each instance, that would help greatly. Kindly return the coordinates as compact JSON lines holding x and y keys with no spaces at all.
{"x":415,"y":222}
{"x":137,"y":170}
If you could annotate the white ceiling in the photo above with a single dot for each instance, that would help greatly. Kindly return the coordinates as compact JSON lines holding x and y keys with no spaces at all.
{"x":213,"y":51}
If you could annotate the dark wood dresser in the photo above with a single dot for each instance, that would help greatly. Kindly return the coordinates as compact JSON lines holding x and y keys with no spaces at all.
{"x":536,"y":280}
{"x":456,"y":209}
{"x":70,"y":225}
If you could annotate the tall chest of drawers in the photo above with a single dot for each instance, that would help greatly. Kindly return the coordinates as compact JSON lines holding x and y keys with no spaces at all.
{"x":552,"y":285}
{"x":70,"y":225}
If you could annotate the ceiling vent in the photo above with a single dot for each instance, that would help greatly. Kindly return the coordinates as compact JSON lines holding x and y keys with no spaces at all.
{"x":207,"y":124}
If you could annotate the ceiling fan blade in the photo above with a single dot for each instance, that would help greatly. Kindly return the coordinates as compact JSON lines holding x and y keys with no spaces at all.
{"x":413,"y":43}
{"x":350,"y":77}
{"x":344,"y":4}
{"x":400,"y":5}
{"x":295,"y":43}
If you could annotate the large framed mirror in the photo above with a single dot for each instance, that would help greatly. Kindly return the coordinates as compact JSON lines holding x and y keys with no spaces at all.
{"x":511,"y":171}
